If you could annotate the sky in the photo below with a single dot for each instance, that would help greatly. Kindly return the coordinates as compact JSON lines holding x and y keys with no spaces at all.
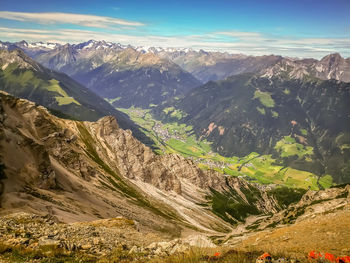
{"x":295,"y":28}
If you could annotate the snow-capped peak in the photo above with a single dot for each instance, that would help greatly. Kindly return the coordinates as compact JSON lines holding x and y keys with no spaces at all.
{"x":47,"y":45}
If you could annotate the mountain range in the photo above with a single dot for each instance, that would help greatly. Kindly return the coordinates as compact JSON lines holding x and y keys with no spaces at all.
{"x":121,"y":74}
{"x":143,"y":77}
{"x":23,"y":77}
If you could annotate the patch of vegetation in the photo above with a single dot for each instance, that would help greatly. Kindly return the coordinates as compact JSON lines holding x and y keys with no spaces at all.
{"x":261,"y":110}
{"x":286,"y":196}
{"x":63,"y":99}
{"x":289,"y":147}
{"x":292,"y":216}
{"x":326,"y":181}
{"x":61,"y":115}
{"x":286,"y":91}
{"x":231,"y":207}
{"x":192,"y":255}
{"x":52,"y":90}
{"x":319,"y":201}
{"x":174,"y":113}
{"x":274,"y":114}
{"x":303,"y":132}
{"x":265,"y":98}
{"x":272,"y":225}
{"x":169,"y":109}
{"x":113,"y":100}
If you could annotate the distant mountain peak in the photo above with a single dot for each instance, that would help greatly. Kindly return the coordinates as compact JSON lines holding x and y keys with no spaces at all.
{"x":23,"y":42}
{"x":332,"y":59}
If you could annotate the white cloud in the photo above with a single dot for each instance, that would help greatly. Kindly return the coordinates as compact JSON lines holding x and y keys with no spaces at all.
{"x":239,"y":34}
{"x":68,"y":18}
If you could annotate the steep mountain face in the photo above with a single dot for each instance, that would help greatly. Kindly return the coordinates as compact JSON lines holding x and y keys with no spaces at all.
{"x":304,"y":123}
{"x":25,"y":78}
{"x":332,"y":66}
{"x":78,"y":171}
{"x":121,"y":74}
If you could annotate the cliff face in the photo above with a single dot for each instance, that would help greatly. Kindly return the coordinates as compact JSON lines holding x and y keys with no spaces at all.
{"x":80,"y":171}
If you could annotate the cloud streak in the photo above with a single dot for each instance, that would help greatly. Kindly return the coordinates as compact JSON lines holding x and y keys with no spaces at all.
{"x":69,"y":18}
{"x":239,"y":34}
{"x":249,"y":43}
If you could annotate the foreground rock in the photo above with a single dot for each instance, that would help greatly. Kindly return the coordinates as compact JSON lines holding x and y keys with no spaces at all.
{"x":99,"y":237}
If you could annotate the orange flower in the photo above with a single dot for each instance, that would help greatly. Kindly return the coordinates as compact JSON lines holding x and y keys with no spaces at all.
{"x":265,"y":255}
{"x":345,"y":259}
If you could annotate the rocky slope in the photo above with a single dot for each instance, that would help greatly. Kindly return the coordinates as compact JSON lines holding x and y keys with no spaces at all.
{"x":304,"y":123}
{"x":79,"y":171}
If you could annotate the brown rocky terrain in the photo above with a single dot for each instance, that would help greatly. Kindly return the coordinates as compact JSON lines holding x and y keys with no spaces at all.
{"x":82,"y":171}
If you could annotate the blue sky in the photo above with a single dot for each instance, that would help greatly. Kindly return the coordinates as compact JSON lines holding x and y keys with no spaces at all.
{"x":302,"y":28}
